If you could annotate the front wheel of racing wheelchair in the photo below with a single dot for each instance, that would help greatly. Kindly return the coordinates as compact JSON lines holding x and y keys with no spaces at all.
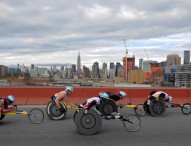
{"x":53,"y":112}
{"x":157,"y":108}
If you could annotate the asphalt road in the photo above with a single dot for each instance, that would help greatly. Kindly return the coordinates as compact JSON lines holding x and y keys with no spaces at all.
{"x":174,"y":129}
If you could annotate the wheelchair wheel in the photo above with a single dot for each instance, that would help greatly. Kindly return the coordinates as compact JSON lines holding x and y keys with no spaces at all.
{"x":74,"y":116}
{"x":88,"y":124}
{"x":1,"y":116}
{"x":139,"y":110}
{"x":186,"y":108}
{"x":54,"y":113}
{"x":36,"y":116}
{"x":157,"y":108}
{"x":107,"y":107}
{"x":131,"y":123}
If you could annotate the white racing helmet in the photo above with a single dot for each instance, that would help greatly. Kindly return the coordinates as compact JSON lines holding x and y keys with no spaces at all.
{"x":11,"y":98}
{"x":122,"y":94}
{"x":69,"y":89}
{"x":103,"y":95}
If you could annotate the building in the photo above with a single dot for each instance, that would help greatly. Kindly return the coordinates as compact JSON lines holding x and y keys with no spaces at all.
{"x":112,"y":73}
{"x":183,"y":75}
{"x":147,"y":64}
{"x":155,"y":74}
{"x":34,"y":72}
{"x":118,"y":68}
{"x":173,"y":59}
{"x":12,"y":71}
{"x":104,"y":65}
{"x":85,"y":72}
{"x":128,"y":64}
{"x":136,"y":77}
{"x":112,"y":65}
{"x":24,"y":71}
{"x":3,"y":70}
{"x":169,"y":75}
{"x":95,"y":70}
{"x":78,"y":64}
{"x":141,"y":63}
{"x":104,"y":71}
{"x":187,"y":57}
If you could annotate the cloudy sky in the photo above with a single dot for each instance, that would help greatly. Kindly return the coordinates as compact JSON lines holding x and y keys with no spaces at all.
{"x":55,"y":31}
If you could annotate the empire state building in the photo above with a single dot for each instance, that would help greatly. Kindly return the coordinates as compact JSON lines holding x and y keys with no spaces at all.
{"x":79,"y":63}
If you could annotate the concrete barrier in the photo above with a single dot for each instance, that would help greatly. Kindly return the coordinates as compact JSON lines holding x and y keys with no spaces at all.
{"x":41,"y":95}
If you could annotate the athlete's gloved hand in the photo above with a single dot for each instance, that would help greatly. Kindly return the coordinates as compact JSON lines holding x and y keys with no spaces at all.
{"x":62,"y":110}
{"x":86,"y":111}
{"x":148,"y":102}
{"x":170,"y":99}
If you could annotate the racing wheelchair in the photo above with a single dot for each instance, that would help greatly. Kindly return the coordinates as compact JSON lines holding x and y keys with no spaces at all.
{"x":158,"y":107}
{"x":90,"y":123}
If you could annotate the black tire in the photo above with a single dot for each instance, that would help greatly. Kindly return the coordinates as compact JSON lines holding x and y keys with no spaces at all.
{"x":2,"y":116}
{"x":36,"y":116}
{"x":108,"y":107}
{"x":131,"y":123}
{"x":74,"y":116}
{"x":146,"y":107}
{"x":157,"y":108}
{"x":88,"y":124}
{"x":54,"y":113}
{"x":139,"y":110}
{"x":186,"y":108}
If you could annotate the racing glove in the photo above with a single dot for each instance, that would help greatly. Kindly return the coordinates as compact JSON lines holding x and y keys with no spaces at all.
{"x":86,"y":111}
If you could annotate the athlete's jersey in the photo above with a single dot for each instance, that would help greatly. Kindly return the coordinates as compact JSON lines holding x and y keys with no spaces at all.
{"x":89,"y":100}
{"x":2,"y":101}
{"x":115,"y":97}
{"x":56,"y":95}
{"x":162,"y":95}
{"x":4,"y":105}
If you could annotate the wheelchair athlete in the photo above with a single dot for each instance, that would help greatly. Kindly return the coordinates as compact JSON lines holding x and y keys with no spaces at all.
{"x":93,"y":101}
{"x":116,"y":97}
{"x":5,"y":102}
{"x":61,"y":96}
{"x":155,"y":95}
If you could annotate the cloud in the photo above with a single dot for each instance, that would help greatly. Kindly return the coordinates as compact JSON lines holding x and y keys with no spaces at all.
{"x":40,"y":32}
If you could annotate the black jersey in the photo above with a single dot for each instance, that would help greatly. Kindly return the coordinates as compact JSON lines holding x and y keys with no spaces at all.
{"x":113,"y":96}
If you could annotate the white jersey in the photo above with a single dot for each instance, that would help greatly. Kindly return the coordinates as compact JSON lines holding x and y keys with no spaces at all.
{"x":97,"y":99}
{"x":158,"y":93}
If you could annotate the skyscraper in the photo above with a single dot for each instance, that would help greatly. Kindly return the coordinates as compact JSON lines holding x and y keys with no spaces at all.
{"x":128,"y":64}
{"x":140,"y":63}
{"x":95,"y":70}
{"x":78,"y":63}
{"x":173,"y":59}
{"x":186,"y":57}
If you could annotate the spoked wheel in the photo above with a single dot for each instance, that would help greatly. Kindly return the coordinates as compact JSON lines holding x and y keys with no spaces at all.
{"x":36,"y":116}
{"x":139,"y":110}
{"x":131,"y":123}
{"x":157,"y":108}
{"x":53,"y":112}
{"x":186,"y":108}
{"x":88,"y":124}
{"x":108,"y":107}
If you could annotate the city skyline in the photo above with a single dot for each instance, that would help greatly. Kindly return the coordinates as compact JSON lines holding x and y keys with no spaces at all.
{"x":78,"y":63}
{"x":39,"y":32}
